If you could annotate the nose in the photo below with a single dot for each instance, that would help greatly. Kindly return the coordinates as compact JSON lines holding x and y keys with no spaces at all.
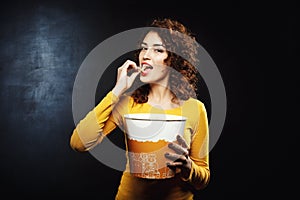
{"x":147,"y":54}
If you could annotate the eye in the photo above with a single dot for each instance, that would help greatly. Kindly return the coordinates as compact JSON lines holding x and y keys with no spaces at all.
{"x":159,"y":50}
{"x":144,"y":48}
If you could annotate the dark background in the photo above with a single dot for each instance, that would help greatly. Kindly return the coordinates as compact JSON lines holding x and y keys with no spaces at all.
{"x":42,"y":45}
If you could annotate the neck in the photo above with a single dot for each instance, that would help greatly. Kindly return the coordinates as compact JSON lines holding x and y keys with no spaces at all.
{"x":160,"y":94}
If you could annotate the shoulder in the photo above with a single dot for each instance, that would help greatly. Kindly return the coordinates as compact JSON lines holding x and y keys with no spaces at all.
{"x":195,"y":103}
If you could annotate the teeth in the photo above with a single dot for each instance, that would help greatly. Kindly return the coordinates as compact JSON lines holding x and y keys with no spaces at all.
{"x":147,"y":67}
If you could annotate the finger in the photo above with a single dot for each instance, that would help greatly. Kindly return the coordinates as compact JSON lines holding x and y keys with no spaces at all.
{"x":178,"y":149}
{"x":130,"y":65}
{"x":182,"y":141}
{"x":131,"y":71}
{"x":174,"y":164}
{"x":176,"y":157}
{"x":127,"y":66}
{"x":130,"y":68}
{"x":123,"y":72}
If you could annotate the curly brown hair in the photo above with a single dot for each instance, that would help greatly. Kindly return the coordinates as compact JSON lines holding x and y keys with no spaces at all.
{"x":182,"y":50}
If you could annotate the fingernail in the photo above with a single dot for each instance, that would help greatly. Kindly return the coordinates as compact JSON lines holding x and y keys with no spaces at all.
{"x":170,"y":145}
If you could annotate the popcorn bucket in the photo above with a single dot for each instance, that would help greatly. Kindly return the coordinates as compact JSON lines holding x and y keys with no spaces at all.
{"x":148,"y":136}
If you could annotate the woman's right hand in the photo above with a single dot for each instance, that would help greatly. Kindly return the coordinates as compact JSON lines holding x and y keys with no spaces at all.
{"x":124,"y":80}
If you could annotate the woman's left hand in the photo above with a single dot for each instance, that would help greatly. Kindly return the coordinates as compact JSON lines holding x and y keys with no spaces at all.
{"x":180,"y":158}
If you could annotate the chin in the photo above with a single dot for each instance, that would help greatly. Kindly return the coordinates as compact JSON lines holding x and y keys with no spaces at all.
{"x":144,"y":80}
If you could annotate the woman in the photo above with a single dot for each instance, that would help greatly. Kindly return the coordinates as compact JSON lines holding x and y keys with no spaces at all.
{"x":166,"y":84}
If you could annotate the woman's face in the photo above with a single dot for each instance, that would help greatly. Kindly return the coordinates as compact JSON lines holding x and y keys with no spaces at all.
{"x":151,"y":59}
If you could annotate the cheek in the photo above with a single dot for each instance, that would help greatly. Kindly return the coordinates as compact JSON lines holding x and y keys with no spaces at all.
{"x":160,"y":60}
{"x":140,"y":57}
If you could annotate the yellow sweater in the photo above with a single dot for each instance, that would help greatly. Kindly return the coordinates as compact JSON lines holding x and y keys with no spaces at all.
{"x":108,"y":114}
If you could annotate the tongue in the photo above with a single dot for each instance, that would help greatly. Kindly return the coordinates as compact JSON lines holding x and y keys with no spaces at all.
{"x":146,"y":71}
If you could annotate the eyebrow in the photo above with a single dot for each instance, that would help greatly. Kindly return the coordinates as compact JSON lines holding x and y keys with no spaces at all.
{"x":155,"y":45}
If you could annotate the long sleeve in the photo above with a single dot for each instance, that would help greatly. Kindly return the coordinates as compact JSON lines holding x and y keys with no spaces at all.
{"x":95,"y":125}
{"x":199,"y":152}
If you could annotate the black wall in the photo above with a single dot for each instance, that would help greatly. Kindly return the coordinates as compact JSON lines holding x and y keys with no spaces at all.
{"x":42,"y":45}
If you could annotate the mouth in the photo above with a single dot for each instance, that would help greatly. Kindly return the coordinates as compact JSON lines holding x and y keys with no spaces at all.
{"x":145,"y":69}
{"x":145,"y":66}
